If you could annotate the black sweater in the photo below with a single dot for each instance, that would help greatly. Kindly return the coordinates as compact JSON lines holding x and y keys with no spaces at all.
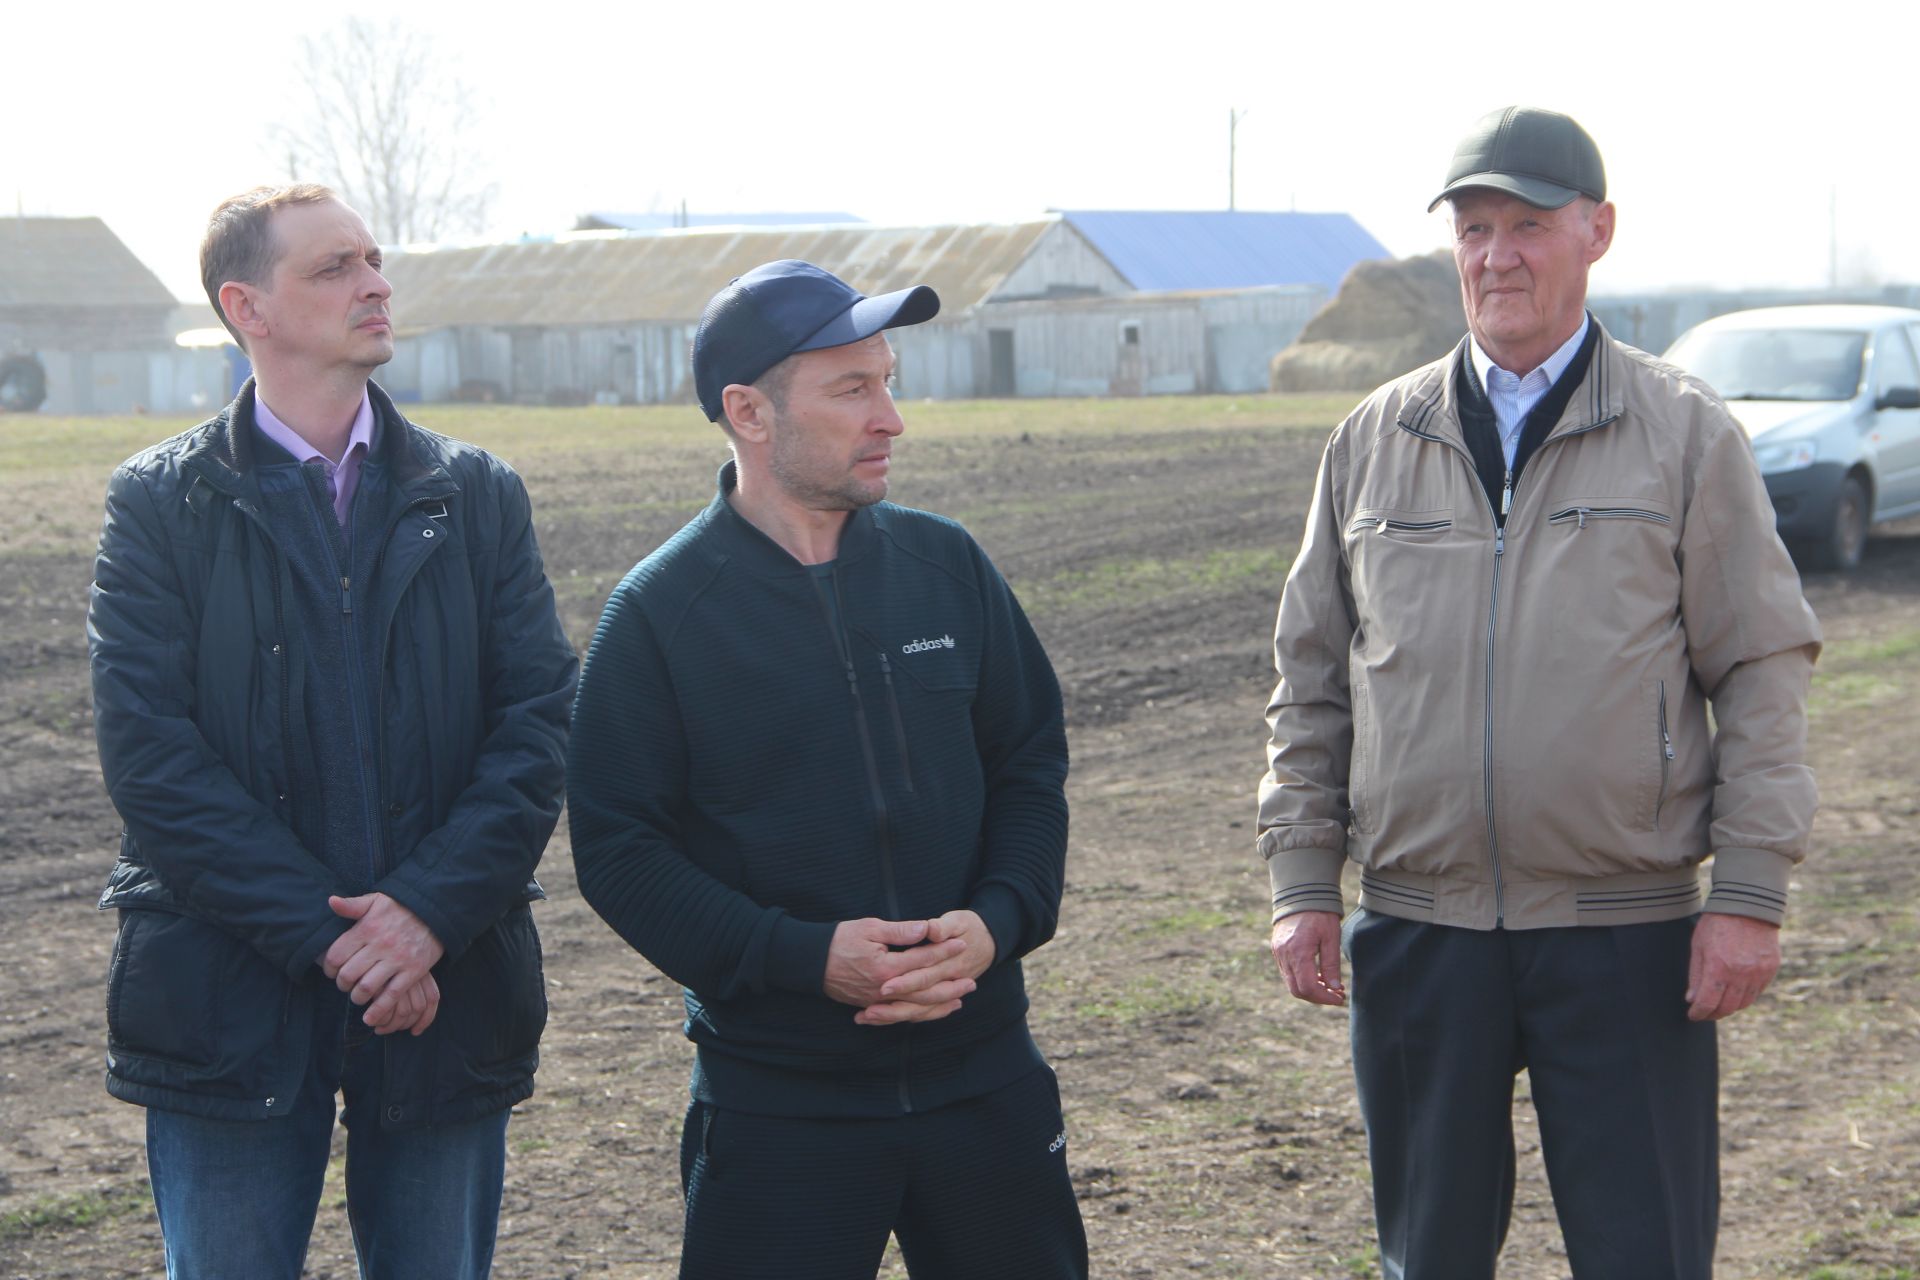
{"x":744,"y":774}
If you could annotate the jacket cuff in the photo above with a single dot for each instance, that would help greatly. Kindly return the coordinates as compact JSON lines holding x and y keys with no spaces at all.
{"x":1306,"y":880}
{"x":999,"y":909}
{"x":308,"y":954}
{"x":797,"y":955}
{"x":452,"y":943}
{"x":1749,"y":882}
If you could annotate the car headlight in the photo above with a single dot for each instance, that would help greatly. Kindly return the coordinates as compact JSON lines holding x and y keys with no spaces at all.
{"x":1793,"y":455}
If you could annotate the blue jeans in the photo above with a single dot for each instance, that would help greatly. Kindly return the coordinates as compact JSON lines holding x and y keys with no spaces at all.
{"x":238,"y":1197}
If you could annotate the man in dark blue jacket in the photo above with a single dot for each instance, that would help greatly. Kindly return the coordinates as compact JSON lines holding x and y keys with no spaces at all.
{"x":817,"y":776}
{"x":331,"y":695}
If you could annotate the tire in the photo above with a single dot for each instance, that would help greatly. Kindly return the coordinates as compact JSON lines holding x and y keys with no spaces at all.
{"x":1840,"y":549}
{"x":23,"y":384}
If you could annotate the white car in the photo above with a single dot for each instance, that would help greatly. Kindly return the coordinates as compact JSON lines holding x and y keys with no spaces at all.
{"x":1830,"y":396}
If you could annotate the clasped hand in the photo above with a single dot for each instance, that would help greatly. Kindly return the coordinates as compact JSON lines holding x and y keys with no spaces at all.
{"x":907,"y":970}
{"x":385,"y":962}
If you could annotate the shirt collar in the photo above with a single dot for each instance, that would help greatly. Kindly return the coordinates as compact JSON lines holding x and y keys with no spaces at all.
{"x":361,"y":437}
{"x":1554,"y":365}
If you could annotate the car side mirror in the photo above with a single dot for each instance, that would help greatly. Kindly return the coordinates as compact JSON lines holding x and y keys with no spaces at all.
{"x":1899,"y":398}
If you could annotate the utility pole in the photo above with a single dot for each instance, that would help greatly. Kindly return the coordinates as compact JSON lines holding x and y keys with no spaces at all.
{"x":1833,"y":237}
{"x":1234,"y":117}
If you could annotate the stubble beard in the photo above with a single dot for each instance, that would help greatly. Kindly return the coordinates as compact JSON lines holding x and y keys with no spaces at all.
{"x":787,"y":463}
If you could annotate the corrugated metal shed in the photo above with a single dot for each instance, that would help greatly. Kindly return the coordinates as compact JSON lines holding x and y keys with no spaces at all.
{"x":601,"y":220}
{"x":1227,"y":250}
{"x":598,"y":278}
{"x":72,"y":262}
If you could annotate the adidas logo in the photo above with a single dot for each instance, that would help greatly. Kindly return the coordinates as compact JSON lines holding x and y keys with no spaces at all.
{"x":921,"y":646}
{"x":1058,"y":1142}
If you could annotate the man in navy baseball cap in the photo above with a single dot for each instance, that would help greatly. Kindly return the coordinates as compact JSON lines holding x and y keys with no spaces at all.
{"x":784,"y":307}
{"x":818,"y":776}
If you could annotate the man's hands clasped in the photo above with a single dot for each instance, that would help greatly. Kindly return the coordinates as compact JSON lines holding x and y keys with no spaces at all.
{"x":385,"y":963}
{"x":907,"y":970}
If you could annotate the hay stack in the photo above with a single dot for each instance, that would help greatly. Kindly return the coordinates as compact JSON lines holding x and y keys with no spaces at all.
{"x":1389,"y":316}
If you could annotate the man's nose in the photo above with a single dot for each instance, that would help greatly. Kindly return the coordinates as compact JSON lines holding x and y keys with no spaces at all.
{"x":888,"y":420}
{"x":375,"y":285}
{"x":1503,"y":252}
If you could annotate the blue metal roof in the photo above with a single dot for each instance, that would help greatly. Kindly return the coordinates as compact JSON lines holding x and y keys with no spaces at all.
{"x":1227,"y":250}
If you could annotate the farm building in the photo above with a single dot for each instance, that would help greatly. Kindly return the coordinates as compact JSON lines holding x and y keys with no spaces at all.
{"x":97,"y":324}
{"x":1051,"y":306}
{"x":604,"y":221}
{"x":95,"y":320}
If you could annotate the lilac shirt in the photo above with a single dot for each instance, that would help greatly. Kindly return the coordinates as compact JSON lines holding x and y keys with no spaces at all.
{"x":343,"y":476}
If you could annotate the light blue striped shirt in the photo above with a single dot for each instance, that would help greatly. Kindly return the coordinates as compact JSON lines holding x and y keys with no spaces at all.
{"x":1513,"y":396}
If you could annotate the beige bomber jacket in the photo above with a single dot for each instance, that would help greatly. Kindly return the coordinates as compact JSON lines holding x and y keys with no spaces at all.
{"x":1509,"y":729}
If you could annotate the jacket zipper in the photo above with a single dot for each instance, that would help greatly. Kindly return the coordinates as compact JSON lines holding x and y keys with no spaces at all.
{"x":340,"y":542}
{"x":876,"y":792}
{"x":882,"y":839}
{"x":1493,"y":612}
{"x":1666,"y":758}
{"x":899,"y":725}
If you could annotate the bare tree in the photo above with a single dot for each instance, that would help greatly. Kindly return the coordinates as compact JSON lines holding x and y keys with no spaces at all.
{"x":381,"y":130}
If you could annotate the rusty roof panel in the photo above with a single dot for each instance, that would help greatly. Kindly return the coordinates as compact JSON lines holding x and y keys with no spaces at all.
{"x":667,"y":277}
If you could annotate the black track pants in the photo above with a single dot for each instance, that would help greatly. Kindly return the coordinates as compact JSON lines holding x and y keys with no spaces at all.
{"x":1625,"y":1088}
{"x":974,"y":1191}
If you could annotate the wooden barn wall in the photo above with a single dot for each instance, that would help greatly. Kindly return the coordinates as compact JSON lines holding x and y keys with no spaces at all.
{"x":1061,"y":260}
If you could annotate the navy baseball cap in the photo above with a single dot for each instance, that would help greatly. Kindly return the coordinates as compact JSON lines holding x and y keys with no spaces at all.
{"x":783,"y":307}
{"x":1543,"y":157}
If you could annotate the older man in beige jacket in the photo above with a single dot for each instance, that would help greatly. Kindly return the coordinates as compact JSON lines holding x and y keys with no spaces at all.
{"x":1528,"y":571}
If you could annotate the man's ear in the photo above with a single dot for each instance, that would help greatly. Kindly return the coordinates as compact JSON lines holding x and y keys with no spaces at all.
{"x":1601,"y":226}
{"x":749,"y":410}
{"x":239,"y":301}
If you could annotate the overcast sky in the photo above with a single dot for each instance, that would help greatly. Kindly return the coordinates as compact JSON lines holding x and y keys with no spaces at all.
{"x":1737,"y":146}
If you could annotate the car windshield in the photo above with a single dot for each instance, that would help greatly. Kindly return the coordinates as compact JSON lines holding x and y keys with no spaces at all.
{"x":1774,"y":364}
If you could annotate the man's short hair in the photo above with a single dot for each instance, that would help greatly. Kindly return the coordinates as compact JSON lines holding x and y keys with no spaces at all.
{"x":240,"y":244}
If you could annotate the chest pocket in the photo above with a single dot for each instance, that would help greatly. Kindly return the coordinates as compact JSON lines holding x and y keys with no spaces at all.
{"x":1406,"y":526}
{"x":1580,"y":515}
{"x":1408,"y":567}
{"x":928,"y":687}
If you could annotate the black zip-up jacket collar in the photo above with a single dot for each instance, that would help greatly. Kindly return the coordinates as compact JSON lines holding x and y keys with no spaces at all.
{"x":1482,"y":430}
{"x":760,"y":554}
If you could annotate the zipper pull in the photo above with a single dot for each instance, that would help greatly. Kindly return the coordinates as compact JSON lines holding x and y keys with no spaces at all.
{"x":1506,"y":495}
{"x":1583,"y":516}
{"x":346,"y":595}
{"x":1499,"y":540}
{"x":886,"y":669}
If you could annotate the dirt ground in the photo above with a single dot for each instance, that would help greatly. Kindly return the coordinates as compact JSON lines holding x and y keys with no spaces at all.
{"x":1212,"y":1124}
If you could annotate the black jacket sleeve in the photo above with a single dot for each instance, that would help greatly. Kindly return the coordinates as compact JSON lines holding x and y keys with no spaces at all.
{"x":1020,"y":727}
{"x":626,"y":782}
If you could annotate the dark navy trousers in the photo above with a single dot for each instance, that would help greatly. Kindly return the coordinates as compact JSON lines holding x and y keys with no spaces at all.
{"x":1626,"y":1090}
{"x":977,"y":1190}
